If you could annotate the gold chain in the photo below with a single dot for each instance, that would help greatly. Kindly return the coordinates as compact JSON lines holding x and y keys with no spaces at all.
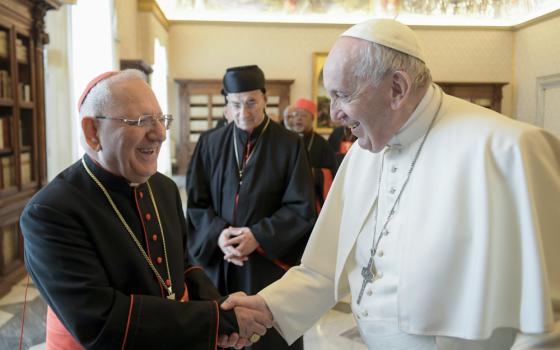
{"x":170,"y":294}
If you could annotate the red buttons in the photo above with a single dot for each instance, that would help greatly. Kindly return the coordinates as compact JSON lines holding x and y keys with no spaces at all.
{"x":159,"y":259}
{"x":148,"y":217}
{"x":168,"y":282}
{"x":141,"y":194}
{"x":154,"y":237}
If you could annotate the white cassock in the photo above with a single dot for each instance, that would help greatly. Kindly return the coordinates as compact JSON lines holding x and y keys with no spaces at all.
{"x":471,"y":257}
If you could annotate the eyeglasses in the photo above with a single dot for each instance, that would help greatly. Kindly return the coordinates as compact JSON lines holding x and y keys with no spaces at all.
{"x":145,"y":120}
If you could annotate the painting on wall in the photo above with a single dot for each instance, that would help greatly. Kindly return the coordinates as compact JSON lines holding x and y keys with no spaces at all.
{"x":323,"y":123}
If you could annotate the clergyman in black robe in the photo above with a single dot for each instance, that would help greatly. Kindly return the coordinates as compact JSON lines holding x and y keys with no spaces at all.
{"x":341,"y":139}
{"x":249,"y":182}
{"x":299,"y":118}
{"x":105,"y":240}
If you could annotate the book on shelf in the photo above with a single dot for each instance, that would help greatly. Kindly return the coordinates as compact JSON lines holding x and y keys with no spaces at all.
{"x":6,"y":167}
{"x":21,"y":51}
{"x":5,"y":84}
{"x":26,"y":167}
{"x":5,"y":140}
{"x":3,"y":44}
{"x":24,"y":92}
{"x":27,"y":93}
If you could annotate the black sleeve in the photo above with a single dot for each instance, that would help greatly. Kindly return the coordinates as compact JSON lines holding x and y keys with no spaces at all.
{"x":63,"y":263}
{"x":334,"y":139}
{"x":329,"y":158}
{"x":293,"y":221}
{"x":203,"y":224}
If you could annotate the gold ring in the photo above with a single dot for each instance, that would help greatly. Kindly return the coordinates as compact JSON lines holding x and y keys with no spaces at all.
{"x":254,"y":338}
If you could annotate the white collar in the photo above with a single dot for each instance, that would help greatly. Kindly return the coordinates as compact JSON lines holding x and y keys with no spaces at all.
{"x":418,"y":122}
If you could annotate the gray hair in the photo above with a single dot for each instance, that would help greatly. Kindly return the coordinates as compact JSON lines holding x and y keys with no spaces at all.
{"x":376,"y":61}
{"x":99,"y":98}
{"x":287,"y":110}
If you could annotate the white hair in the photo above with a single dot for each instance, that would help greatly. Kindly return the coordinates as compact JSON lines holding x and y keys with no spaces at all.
{"x":288,"y":110}
{"x":99,"y":98}
{"x":376,"y":61}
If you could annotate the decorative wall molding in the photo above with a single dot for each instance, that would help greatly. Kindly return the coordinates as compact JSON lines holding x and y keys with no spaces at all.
{"x":153,"y":7}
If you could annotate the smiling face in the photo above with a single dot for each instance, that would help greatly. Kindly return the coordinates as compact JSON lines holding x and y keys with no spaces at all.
{"x":358,"y":103}
{"x":300,"y":120}
{"x":247,"y":108}
{"x":126,"y":150}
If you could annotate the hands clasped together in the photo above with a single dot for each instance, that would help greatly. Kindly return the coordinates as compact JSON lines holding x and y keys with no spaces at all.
{"x":237,"y":243}
{"x":253,"y":318}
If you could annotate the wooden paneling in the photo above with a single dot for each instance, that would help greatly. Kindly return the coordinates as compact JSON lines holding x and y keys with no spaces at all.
{"x":23,"y":169}
{"x":488,"y":95}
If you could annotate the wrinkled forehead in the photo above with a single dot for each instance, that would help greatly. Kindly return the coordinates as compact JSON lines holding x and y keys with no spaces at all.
{"x":132,"y":96}
{"x":345,"y":54}
{"x":241,"y":97}
{"x":302,"y":112}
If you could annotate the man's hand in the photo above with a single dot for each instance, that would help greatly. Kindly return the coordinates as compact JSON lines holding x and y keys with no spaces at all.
{"x":233,"y":341}
{"x":244,"y":242}
{"x":253,"y":316}
{"x":231,"y":254}
{"x":237,"y":243}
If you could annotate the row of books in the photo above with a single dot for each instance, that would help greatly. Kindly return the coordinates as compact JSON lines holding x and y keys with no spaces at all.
{"x":7,"y":175}
{"x":6,"y":90}
{"x":21,"y":49}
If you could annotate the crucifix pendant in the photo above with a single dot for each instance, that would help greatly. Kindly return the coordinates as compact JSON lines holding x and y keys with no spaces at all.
{"x":368,"y":273}
{"x":170,"y":294}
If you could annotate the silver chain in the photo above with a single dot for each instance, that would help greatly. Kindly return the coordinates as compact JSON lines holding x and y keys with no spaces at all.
{"x":375,"y":244}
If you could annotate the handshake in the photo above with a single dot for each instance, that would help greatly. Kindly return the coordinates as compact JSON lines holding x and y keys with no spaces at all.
{"x":253,"y":319}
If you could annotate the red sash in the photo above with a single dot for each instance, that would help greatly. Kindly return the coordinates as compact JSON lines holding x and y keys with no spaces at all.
{"x":58,"y":337}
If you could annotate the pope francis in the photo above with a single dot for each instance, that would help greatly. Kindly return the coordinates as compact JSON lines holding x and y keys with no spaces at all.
{"x":443,"y":222}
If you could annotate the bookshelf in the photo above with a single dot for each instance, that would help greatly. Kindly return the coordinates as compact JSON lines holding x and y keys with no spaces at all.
{"x":487,"y":95}
{"x":22,"y":123}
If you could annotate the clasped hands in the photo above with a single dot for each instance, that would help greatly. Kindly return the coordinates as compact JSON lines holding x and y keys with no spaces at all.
{"x":253,"y":319}
{"x":237,"y":243}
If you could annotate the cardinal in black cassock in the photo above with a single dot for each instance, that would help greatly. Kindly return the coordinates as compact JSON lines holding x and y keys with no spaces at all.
{"x":321,"y":155}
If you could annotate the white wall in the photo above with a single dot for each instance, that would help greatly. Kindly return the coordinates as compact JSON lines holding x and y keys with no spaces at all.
{"x":58,"y":93}
{"x":536,"y":54}
{"x":284,"y":51}
{"x":127,"y":38}
{"x":471,"y":55}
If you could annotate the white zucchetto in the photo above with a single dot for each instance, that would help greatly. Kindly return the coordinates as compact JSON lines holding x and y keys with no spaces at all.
{"x":390,"y":33}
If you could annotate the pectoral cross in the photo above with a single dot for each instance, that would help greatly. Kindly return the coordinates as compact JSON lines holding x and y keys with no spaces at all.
{"x":170,"y":294}
{"x":368,"y":273}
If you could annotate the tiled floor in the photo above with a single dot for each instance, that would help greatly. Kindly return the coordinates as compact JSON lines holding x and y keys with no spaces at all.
{"x":335,"y":331}
{"x":11,"y":307}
